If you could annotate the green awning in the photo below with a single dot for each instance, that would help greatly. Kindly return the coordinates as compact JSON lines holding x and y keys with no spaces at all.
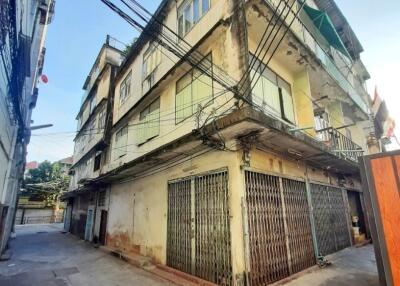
{"x":324,"y":24}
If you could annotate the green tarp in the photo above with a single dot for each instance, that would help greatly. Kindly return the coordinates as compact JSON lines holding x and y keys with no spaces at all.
{"x":324,"y":24}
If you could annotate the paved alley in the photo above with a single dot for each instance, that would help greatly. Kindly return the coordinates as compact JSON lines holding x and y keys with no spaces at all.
{"x":353,"y":266}
{"x":43,"y":256}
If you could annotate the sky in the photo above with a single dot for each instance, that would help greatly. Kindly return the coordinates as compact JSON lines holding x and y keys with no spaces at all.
{"x":79,"y":29}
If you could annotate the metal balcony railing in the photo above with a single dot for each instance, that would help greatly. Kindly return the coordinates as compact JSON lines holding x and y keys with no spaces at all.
{"x":340,"y":144}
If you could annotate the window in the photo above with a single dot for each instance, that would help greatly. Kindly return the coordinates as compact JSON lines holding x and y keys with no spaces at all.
{"x":151,"y":60}
{"x":271,"y":92}
{"x":189,"y":14}
{"x":149,"y":119}
{"x":125,"y":88}
{"x":102,"y":199}
{"x":121,"y":139}
{"x":97,"y":161}
{"x":193,"y":89}
{"x":92,"y":104}
{"x":102,"y":120}
{"x":90,"y":131}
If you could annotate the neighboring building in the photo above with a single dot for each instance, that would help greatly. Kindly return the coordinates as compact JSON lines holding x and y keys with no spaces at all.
{"x":94,"y":121}
{"x":65,"y":164}
{"x":40,"y":203}
{"x":30,"y":166}
{"x":23,"y":26}
{"x":228,"y":187}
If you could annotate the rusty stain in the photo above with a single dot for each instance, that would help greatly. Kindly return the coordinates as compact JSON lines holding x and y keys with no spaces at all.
{"x":122,"y":241}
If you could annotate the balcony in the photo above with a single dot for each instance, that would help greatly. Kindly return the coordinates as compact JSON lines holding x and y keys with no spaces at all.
{"x":339,"y":143}
{"x":305,"y":33}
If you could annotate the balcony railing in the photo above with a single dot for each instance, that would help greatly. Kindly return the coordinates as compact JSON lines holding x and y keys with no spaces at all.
{"x":340,"y":144}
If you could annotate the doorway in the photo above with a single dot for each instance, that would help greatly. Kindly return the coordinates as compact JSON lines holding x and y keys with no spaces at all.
{"x":103,"y":227}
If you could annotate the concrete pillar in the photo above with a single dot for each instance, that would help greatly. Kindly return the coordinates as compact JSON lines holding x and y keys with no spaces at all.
{"x":237,"y":213}
{"x":303,"y":102}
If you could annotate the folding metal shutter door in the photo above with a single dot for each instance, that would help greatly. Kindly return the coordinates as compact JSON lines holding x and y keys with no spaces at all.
{"x":278,"y":246}
{"x":323,"y":219}
{"x":298,"y":225}
{"x":339,"y":214}
{"x":198,"y":239}
{"x":179,"y":249}
{"x":213,"y":243}
{"x":330,"y":218}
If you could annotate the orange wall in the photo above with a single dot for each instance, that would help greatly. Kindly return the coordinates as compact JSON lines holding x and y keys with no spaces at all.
{"x":386,"y":177}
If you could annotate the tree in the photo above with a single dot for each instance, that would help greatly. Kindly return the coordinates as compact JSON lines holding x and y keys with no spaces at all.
{"x":46,"y":183}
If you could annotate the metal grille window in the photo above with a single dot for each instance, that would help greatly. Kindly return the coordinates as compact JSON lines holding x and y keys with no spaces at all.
{"x":198,"y":239}
{"x":280,"y":239}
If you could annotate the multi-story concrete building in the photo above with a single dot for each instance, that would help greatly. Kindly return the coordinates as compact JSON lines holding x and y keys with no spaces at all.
{"x":23,"y":26}
{"x":229,"y":185}
{"x":94,"y":122}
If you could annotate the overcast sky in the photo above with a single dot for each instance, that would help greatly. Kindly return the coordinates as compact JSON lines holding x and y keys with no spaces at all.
{"x":79,"y":28}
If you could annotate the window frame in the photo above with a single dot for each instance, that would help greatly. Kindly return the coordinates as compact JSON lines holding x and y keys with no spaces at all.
{"x":143,"y":118}
{"x":123,"y":86}
{"x":191,"y":72}
{"x":97,"y":161}
{"x":153,"y":49}
{"x":101,"y":125}
{"x":117,"y":138}
{"x":272,"y":76}
{"x":181,"y":13}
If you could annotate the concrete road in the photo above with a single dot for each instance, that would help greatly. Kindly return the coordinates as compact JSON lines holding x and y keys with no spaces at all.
{"x":350,"y":267}
{"x":43,"y":256}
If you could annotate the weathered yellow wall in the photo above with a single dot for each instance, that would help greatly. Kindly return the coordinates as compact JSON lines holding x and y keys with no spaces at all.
{"x":219,"y":46}
{"x":217,"y":12}
{"x":138,"y":209}
{"x":303,"y":102}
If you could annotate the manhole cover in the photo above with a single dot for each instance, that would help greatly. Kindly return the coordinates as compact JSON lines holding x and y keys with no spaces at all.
{"x":41,"y":232}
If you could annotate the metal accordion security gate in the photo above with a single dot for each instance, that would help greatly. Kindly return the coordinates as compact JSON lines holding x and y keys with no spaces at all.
{"x":331,"y":219}
{"x":198,"y":230}
{"x":279,"y":229}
